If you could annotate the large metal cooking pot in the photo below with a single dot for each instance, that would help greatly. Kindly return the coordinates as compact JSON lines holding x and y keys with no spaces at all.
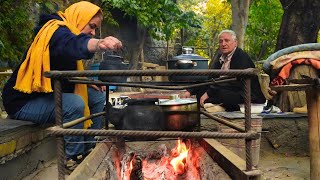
{"x":180,"y":114}
{"x":138,"y":114}
{"x":188,"y":60}
{"x":151,"y":114}
{"x":113,"y":62}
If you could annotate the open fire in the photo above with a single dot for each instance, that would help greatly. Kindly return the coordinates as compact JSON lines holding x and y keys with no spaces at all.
{"x":180,"y":154}
{"x":179,"y":163}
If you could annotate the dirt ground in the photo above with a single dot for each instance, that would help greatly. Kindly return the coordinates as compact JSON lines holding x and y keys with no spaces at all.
{"x":276,"y":166}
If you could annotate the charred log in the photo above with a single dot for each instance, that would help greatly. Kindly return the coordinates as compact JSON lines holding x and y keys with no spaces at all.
{"x":136,"y":173}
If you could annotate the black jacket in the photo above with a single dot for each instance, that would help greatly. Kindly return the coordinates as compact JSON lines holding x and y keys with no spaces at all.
{"x":239,"y":60}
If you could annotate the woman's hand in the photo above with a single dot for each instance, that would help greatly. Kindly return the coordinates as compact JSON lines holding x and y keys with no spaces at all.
{"x":186,"y":94}
{"x":271,"y":93}
{"x":111,"y":43}
{"x":203,"y":98}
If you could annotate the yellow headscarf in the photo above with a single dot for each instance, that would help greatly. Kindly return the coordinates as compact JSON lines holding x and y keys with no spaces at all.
{"x":30,"y":75}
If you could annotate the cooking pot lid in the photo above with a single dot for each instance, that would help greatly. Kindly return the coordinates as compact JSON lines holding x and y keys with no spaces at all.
{"x":188,"y":57}
{"x":141,"y":101}
{"x":178,"y":101}
{"x":115,"y":56}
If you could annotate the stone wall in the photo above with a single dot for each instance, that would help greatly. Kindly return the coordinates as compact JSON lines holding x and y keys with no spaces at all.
{"x":286,"y":135}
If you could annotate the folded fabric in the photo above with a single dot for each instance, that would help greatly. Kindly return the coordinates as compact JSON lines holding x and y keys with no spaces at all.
{"x":278,"y":81}
{"x":264,"y":81}
{"x":301,"y":47}
{"x":285,"y":59}
{"x":285,"y":71}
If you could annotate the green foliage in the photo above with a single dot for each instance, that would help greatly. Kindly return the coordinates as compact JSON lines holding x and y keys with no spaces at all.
{"x":161,"y":17}
{"x":216,"y":17}
{"x":17,"y":19}
{"x":263,"y":27}
{"x":15,"y":28}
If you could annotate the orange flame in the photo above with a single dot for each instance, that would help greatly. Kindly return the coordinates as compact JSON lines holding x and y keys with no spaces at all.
{"x":180,"y":153}
{"x":131,"y":166}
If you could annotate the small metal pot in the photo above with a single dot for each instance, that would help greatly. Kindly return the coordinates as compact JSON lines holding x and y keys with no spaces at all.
{"x":188,"y":61}
{"x":180,"y":114}
{"x":113,"y":62}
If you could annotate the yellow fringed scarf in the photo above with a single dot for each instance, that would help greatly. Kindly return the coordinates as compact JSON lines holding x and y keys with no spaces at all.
{"x":30,"y":75}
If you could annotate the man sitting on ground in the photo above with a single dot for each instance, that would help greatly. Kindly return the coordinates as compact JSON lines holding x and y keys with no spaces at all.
{"x":227,"y":96}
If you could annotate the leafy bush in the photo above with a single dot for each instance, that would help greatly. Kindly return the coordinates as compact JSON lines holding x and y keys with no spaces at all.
{"x":17,"y":19}
{"x":15,"y":30}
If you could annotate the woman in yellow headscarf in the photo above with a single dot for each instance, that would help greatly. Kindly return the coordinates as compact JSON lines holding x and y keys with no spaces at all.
{"x":61,"y":41}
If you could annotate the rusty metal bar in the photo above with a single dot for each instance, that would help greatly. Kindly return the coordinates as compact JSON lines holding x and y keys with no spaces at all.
{"x":223,"y":121}
{"x":299,"y":85}
{"x":312,"y":81}
{"x":198,"y":114}
{"x":247,"y":106}
{"x":131,"y":133}
{"x":90,"y":73}
{"x":106,"y":110}
{"x":60,"y":139}
{"x":172,"y":87}
{"x":292,"y":87}
{"x":60,"y":132}
{"x":80,"y":120}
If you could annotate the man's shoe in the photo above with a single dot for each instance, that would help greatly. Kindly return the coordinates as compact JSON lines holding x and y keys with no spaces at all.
{"x":72,"y":163}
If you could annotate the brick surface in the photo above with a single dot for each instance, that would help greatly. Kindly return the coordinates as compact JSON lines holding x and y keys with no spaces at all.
{"x":24,"y":141}
{"x":7,"y":148}
{"x":37,"y":136}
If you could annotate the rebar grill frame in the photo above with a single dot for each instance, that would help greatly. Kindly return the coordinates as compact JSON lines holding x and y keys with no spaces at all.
{"x":60,"y":129}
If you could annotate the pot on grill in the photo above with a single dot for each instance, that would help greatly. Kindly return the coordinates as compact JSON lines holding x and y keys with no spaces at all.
{"x":154,"y":115}
{"x":180,"y":114}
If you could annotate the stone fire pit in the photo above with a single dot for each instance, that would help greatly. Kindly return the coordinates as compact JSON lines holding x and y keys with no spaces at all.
{"x":207,"y":159}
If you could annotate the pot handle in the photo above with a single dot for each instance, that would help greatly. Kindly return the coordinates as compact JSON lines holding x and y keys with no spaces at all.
{"x":181,"y":62}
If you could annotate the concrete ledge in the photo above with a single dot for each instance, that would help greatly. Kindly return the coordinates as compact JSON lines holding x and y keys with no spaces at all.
{"x":285,"y":133}
{"x":22,"y":146}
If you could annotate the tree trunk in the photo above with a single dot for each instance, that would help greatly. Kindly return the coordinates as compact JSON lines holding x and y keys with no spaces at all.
{"x":137,"y":50}
{"x":136,"y":56}
{"x":300,"y":23}
{"x":240,"y":10}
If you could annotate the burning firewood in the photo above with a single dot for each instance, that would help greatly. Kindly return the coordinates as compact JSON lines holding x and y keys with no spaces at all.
{"x":158,"y":154}
{"x":136,"y":171}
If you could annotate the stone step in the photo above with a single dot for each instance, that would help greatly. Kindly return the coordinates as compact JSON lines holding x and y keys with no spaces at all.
{"x":23,"y":146}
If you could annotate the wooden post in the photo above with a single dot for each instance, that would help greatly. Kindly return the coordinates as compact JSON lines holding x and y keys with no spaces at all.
{"x":313,"y":104}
